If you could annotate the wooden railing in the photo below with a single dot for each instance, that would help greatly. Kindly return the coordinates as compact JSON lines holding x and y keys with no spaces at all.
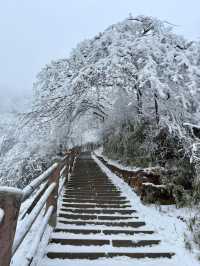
{"x":43,"y":192}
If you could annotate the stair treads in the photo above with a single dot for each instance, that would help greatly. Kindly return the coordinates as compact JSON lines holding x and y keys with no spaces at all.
{"x":138,"y":243}
{"x":102,"y":242}
{"x":91,"y":194}
{"x":118,"y":224}
{"x":93,"y":217}
{"x":96,"y":201}
{"x":98,"y":211}
{"x":96,"y":255}
{"x":105,"y":232}
{"x":77,"y":231}
{"x":126,"y":232}
{"x":98,"y":197}
{"x":90,"y":183}
{"x":110,"y":206}
{"x":93,"y":190}
{"x":81,"y":242}
{"x":78,"y":191}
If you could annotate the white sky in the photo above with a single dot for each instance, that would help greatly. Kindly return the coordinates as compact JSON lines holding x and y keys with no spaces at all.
{"x":33,"y":32}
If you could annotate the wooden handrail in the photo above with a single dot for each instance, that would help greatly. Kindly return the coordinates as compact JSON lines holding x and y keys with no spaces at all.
{"x":38,"y":181}
{"x":35,"y":244}
{"x":11,"y":199}
{"x":31,"y":219}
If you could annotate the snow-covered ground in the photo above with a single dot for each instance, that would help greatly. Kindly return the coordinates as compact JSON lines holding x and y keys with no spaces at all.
{"x":164,"y":220}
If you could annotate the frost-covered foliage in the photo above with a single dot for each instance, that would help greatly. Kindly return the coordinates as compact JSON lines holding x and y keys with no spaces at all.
{"x":137,"y":72}
{"x":24,"y":151}
{"x":140,"y":59}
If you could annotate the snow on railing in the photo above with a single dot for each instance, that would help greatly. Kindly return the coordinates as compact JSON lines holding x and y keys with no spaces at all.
{"x":47,"y":186}
{"x":1,"y":215}
{"x":23,"y":230}
{"x":38,"y":181}
{"x":36,"y":242}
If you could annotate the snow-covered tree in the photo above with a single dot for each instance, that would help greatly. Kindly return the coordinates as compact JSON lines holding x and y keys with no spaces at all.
{"x":135,"y":71}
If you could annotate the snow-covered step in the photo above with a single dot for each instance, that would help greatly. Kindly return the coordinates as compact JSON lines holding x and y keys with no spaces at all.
{"x":98,"y":227}
{"x":105,"y":231}
{"x":95,"y":201}
{"x":60,"y":245}
{"x":126,"y":232}
{"x":81,"y":193}
{"x":96,"y":196}
{"x":98,"y":211}
{"x":97,"y":255}
{"x":80,"y":242}
{"x":101,"y":235}
{"x":102,"y":242}
{"x":118,"y":224}
{"x":90,"y":205}
{"x":94,"y":217}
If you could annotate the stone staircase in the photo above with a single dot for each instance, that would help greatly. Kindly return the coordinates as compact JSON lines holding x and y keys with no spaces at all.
{"x":95,"y":221}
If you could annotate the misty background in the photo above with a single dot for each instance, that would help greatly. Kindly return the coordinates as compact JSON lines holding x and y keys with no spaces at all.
{"x":35,"y":32}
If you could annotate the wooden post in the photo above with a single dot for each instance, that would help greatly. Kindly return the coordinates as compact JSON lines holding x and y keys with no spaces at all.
{"x":10,"y":201}
{"x":53,"y":198}
{"x":66,"y":172}
{"x":71,"y":161}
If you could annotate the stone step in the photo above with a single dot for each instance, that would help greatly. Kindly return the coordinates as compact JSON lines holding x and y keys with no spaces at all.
{"x":91,"y":194}
{"x":85,"y":190}
{"x":97,"y":201}
{"x":78,"y":217}
{"x":102,"y":242}
{"x":92,"y":190}
{"x":134,"y":244}
{"x":77,"y":231}
{"x":114,"y":224}
{"x":98,"y":197}
{"x":90,"y":182}
{"x":106,"y":231}
{"x":80,"y":242}
{"x":96,"y":255}
{"x":81,"y":206}
{"x":90,"y":185}
{"x":94,"y":217}
{"x":126,"y":232}
{"x":95,"y":211}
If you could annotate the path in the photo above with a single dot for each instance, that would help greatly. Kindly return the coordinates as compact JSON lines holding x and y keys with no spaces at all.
{"x":97,"y":221}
